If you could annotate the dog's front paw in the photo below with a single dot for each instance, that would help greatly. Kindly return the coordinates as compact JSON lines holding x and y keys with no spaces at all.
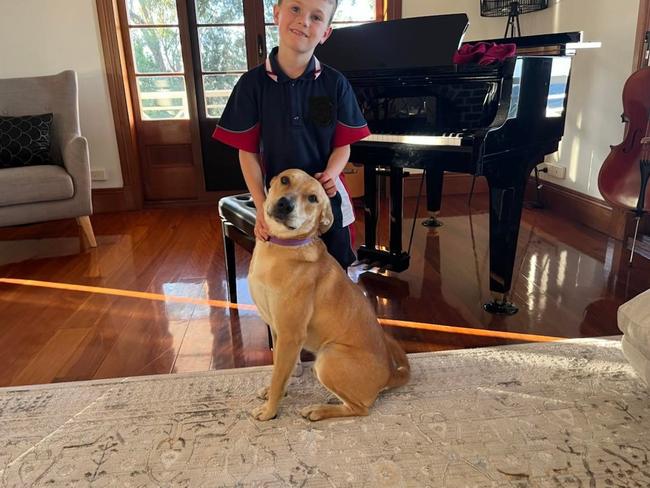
{"x":264,"y":412}
{"x":312,"y":412}
{"x":263,"y":393}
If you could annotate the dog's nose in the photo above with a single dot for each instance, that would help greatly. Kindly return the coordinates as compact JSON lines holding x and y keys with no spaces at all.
{"x":284,"y":206}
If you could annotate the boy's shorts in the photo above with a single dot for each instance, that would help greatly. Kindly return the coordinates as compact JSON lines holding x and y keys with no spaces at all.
{"x":338,"y":239}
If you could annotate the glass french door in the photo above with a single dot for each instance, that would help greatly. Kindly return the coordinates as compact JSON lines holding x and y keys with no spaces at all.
{"x":227,"y":40}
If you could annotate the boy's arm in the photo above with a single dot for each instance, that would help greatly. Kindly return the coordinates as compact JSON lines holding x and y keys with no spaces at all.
{"x":252,"y":171}
{"x":335,"y":164}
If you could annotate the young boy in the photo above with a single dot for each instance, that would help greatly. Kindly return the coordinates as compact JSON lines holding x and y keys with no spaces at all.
{"x":294,"y":112}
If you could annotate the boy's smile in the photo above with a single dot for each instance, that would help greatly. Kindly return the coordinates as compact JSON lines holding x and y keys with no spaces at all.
{"x":303,"y":24}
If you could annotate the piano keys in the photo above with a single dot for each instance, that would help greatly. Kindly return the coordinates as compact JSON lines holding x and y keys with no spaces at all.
{"x":451,"y":139}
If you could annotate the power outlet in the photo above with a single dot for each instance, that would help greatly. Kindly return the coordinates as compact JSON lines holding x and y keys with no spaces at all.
{"x":556,"y":171}
{"x":98,"y":174}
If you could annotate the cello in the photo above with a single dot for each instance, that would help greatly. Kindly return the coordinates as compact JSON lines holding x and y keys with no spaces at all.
{"x":623,"y":177}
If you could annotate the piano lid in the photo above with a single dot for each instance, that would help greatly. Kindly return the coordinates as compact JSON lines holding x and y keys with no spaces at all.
{"x":539,"y":40}
{"x":415,"y":42}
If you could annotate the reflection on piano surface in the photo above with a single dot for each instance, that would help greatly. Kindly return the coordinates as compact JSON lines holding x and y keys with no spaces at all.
{"x":497,"y":121}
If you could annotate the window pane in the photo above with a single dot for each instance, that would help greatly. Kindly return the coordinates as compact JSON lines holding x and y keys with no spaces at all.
{"x":271,"y":37}
{"x":162,"y":97}
{"x":222,"y":49}
{"x":219,"y":12}
{"x":156,"y":50}
{"x":217,"y":89}
{"x":516,"y":87}
{"x":268,"y":10}
{"x":347,"y":10}
{"x":557,"y":90}
{"x":355,"y":10}
{"x":343,"y":26}
{"x":148,"y":12}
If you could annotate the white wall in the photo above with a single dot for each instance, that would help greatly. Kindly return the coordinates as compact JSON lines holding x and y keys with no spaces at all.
{"x":597,"y":77}
{"x":42,"y":37}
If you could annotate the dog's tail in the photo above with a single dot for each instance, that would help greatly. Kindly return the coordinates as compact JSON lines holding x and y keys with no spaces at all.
{"x":401,"y":369}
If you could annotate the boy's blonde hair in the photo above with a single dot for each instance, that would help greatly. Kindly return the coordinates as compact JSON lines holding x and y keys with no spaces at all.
{"x":335,"y":2}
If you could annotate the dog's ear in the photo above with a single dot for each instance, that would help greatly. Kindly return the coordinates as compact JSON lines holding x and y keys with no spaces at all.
{"x":326,"y":217}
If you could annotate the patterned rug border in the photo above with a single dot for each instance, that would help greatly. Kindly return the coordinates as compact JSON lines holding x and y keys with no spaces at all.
{"x":252,"y":369}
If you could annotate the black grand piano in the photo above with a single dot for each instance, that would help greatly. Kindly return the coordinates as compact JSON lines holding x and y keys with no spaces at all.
{"x":497,"y":121}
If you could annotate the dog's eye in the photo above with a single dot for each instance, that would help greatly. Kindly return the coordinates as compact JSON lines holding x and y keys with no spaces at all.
{"x":284,"y":180}
{"x":312,"y":198}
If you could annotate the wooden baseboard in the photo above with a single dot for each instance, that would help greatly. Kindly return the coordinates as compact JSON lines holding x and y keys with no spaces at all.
{"x":107,"y":200}
{"x":587,"y":210}
{"x":206,"y":198}
{"x":575,"y":206}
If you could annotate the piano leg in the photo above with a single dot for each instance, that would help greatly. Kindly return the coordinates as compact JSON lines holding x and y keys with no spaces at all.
{"x":370,"y":204}
{"x":396,"y":214}
{"x":507,"y":183}
{"x":434,"y":176}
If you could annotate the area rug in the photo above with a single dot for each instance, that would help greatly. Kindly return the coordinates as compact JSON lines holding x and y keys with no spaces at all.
{"x":570,"y":413}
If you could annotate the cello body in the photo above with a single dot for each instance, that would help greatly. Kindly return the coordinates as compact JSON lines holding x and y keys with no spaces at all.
{"x":624,"y":175}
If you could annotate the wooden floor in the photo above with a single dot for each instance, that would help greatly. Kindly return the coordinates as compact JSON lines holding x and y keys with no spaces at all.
{"x":151,"y":298}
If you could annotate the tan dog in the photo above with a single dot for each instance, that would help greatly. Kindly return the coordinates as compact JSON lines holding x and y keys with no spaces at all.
{"x":309,"y":302}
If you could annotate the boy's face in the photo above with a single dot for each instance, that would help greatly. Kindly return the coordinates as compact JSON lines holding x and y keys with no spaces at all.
{"x":303,"y":24}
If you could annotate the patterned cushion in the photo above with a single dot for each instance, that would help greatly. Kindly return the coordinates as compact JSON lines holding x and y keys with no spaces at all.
{"x":25,"y":140}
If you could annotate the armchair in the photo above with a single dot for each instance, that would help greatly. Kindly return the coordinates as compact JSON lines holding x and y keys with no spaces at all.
{"x":40,"y":193}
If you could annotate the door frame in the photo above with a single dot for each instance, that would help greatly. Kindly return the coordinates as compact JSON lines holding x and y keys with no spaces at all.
{"x":642,"y":26}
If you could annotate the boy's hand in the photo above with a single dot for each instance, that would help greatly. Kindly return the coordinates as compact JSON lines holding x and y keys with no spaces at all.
{"x":329,"y":184}
{"x":261,"y":229}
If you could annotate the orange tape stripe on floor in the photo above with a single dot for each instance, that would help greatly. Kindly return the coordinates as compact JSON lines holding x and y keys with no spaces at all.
{"x":244,"y":306}
{"x":129,"y":293}
{"x":515,"y":336}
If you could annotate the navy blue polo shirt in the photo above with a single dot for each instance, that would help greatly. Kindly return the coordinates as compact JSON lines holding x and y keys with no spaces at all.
{"x":293,"y":123}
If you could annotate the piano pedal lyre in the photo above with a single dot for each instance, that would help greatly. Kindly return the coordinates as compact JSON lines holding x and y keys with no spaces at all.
{"x":501,"y":307}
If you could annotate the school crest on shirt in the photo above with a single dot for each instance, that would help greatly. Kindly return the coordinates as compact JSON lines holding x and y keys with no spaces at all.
{"x":321,"y":111}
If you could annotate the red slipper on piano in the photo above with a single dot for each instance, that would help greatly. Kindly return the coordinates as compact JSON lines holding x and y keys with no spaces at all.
{"x":498,"y":52}
{"x":471,"y":53}
{"x":484,"y":53}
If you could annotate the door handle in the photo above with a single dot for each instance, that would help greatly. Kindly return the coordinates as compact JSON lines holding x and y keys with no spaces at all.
{"x":260,"y":47}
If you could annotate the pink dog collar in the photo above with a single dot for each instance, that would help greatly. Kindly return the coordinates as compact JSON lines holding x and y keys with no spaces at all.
{"x":290,"y":242}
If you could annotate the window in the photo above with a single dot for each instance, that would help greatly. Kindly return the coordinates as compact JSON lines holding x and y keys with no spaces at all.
{"x":157,"y":60}
{"x":222,"y":48}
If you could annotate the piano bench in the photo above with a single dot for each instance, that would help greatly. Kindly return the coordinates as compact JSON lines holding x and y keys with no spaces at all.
{"x":237,"y":214}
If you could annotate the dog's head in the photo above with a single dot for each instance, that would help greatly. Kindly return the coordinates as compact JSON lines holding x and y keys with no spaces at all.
{"x":297,"y":206}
